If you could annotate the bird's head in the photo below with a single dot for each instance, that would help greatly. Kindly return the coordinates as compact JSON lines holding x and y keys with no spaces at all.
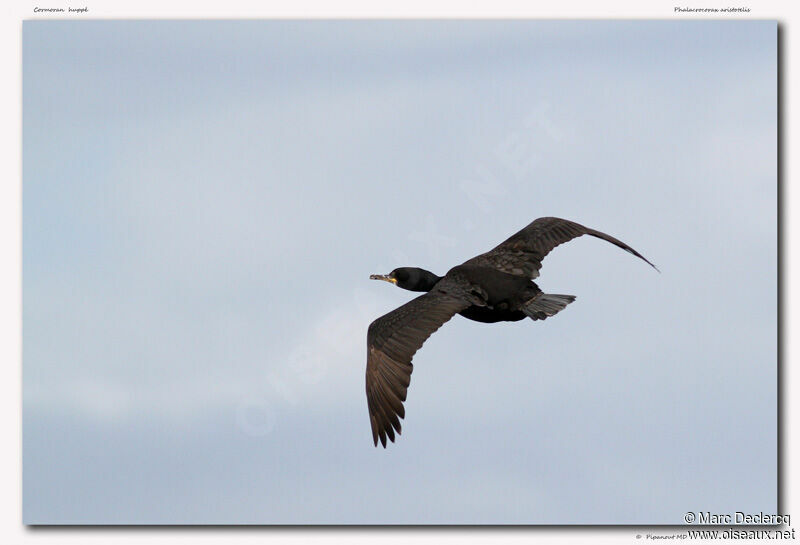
{"x":409,"y":278}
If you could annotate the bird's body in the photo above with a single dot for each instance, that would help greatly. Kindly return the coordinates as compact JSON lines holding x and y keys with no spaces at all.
{"x":496,"y":286}
{"x":503,"y":291}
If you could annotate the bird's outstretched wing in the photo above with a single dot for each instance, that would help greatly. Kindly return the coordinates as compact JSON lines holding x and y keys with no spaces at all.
{"x":522,"y":253}
{"x":392,"y":341}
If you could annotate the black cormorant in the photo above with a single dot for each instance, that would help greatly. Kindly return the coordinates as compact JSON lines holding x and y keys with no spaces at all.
{"x":492,"y":287}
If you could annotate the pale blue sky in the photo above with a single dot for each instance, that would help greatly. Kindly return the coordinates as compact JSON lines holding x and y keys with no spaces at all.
{"x":203,"y":203}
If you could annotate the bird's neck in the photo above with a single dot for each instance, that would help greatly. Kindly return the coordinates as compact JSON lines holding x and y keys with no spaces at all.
{"x":426,"y":281}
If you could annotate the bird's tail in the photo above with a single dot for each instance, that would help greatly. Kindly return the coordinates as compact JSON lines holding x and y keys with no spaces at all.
{"x":545,"y":305}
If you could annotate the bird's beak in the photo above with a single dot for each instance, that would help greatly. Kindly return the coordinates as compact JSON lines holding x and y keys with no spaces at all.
{"x":384,"y":277}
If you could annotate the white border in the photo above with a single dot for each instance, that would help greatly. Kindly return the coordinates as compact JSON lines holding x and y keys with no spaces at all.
{"x":12,"y":530}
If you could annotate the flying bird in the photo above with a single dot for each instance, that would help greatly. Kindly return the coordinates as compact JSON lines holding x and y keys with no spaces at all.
{"x":496,"y":286}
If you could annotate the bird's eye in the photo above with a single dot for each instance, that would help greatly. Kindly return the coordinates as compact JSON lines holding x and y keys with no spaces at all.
{"x":400,"y":274}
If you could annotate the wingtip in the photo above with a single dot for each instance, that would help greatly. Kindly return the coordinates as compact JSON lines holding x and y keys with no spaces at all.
{"x":382,"y":436}
{"x":652,"y":265}
{"x":643,"y":258}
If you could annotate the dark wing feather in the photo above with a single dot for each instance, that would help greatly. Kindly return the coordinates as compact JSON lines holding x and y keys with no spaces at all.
{"x":522,"y":253}
{"x":392,"y":341}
